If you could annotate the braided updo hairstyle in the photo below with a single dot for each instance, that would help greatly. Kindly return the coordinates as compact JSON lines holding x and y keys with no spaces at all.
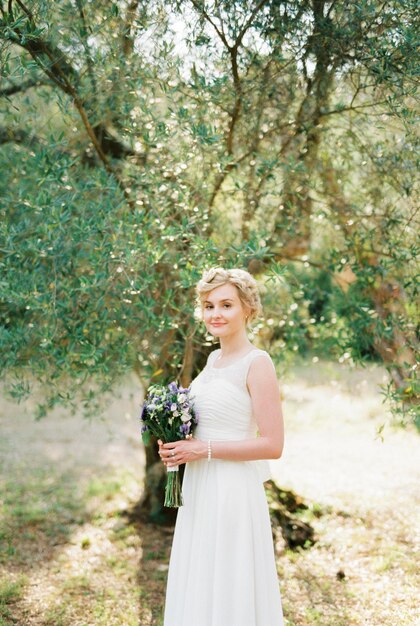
{"x":243,"y":281}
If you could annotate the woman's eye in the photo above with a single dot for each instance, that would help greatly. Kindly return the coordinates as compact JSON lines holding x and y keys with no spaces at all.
{"x":227,"y":306}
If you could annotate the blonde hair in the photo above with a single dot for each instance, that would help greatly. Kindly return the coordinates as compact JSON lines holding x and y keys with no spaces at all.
{"x":243,"y":281}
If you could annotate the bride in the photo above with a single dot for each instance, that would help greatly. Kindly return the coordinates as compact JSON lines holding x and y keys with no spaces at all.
{"x":222,"y":570}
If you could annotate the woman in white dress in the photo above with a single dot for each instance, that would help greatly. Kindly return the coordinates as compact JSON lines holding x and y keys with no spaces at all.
{"x":222,"y":569}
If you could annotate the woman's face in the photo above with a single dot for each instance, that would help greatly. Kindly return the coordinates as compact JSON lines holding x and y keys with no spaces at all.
{"x":223,"y":312}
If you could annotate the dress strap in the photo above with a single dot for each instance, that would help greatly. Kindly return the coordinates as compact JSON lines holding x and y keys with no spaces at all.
{"x":251,"y":357}
{"x":213,"y":356}
{"x":254,"y":353}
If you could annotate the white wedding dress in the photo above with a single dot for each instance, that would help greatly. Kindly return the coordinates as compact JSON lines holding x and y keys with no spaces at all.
{"x":222,"y":570}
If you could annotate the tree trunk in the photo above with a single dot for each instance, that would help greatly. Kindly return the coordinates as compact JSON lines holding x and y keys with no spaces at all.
{"x":292,"y":230}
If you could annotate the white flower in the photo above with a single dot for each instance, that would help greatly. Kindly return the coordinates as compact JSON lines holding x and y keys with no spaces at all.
{"x":182,"y":397}
{"x":185,"y":417}
{"x":175,"y":413}
{"x":173,"y":407}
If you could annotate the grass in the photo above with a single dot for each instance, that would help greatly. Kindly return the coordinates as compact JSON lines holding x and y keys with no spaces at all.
{"x":70,"y":557}
{"x":362,"y":570}
{"x":72,"y":542}
{"x":11,"y":592}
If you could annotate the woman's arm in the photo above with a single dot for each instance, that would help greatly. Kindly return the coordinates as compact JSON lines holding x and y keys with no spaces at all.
{"x":266,"y":405}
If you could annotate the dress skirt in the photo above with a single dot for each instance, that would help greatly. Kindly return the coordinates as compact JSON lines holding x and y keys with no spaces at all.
{"x":222,"y":569}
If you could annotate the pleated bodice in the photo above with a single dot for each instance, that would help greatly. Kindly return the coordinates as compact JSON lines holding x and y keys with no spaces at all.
{"x":223,"y":403}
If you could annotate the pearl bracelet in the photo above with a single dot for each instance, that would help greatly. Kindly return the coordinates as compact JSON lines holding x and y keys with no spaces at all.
{"x":208,"y":450}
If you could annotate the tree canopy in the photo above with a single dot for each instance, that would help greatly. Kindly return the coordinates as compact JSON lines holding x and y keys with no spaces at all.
{"x":143,"y":141}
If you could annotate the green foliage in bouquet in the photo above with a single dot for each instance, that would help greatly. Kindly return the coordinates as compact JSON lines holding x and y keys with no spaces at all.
{"x":168,"y":413}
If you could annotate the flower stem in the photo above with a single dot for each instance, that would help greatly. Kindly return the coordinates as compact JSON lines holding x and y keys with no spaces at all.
{"x":173,"y":493}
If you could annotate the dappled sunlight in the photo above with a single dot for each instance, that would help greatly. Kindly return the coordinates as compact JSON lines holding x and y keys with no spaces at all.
{"x":110,"y":440}
{"x":362,"y":569}
{"x":69,"y":483}
{"x":83,"y":561}
{"x":90,"y":576}
{"x":333,"y":449}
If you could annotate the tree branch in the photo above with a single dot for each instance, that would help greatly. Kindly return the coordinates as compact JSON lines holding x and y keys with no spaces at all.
{"x":61,"y":73}
{"x":19,"y":135}
{"x":248,"y":23}
{"x":127,"y":38}
{"x":352,"y":108}
{"x":13,"y":88}
{"x":210,"y":21}
{"x":234,"y":116}
{"x":84,"y":38}
{"x":24,"y":9}
{"x":27,"y":139}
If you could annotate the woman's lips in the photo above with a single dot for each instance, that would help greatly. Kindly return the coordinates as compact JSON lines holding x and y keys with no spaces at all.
{"x":217,"y":324}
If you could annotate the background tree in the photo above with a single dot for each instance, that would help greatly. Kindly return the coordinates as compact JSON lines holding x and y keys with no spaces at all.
{"x":144,"y":141}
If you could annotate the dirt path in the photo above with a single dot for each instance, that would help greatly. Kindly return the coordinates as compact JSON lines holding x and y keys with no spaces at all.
{"x":71,"y":441}
{"x":333,"y":452}
{"x":65,"y":483}
{"x":76,"y":561}
{"x":369,"y":487}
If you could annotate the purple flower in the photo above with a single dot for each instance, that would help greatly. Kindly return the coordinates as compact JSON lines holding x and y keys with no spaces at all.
{"x":143,"y":410}
{"x":184,"y":429}
{"x":173,"y":387}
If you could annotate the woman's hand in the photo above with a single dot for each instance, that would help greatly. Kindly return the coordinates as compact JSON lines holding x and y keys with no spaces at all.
{"x":182,"y":451}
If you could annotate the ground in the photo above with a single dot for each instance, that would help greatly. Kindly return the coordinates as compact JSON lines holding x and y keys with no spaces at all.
{"x":69,"y":556}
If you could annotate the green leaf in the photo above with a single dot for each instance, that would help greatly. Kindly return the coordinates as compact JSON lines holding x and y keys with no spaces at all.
{"x":146,"y":437}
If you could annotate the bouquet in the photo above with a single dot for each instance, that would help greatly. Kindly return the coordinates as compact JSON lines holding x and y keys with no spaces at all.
{"x":168,"y":414}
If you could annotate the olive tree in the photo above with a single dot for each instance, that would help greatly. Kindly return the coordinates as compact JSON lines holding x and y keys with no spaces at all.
{"x":143,"y":141}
